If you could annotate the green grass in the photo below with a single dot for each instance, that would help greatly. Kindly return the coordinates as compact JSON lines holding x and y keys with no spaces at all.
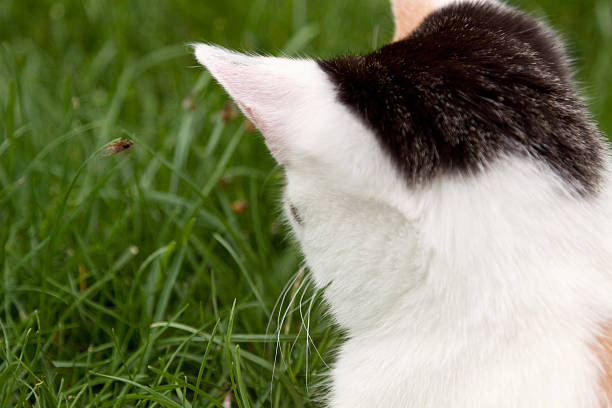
{"x":135,"y":279}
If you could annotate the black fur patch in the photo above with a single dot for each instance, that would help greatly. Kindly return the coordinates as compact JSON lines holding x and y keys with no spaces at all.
{"x":472,"y":83}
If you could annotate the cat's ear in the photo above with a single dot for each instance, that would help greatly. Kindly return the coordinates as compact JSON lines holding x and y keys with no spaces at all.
{"x":266,"y":89}
{"x":409,"y":14}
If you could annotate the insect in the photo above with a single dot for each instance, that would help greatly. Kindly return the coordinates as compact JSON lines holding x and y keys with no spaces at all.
{"x":118,"y":146}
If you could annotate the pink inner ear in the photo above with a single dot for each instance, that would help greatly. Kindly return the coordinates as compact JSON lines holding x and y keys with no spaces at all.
{"x":254,"y":117}
{"x":259,"y":85}
{"x":273,"y":142}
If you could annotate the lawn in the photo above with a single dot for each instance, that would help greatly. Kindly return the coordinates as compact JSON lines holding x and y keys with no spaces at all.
{"x":163,"y":275}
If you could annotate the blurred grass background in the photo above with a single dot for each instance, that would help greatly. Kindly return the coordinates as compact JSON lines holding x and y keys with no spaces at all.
{"x":155,"y":277}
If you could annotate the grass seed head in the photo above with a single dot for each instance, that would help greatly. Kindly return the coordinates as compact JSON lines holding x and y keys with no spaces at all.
{"x":118,"y":146}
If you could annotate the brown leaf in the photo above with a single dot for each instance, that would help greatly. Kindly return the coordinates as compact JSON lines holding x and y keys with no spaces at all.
{"x":240,"y":206}
{"x":229,"y":112}
{"x":82,"y":278}
{"x":250,"y":127}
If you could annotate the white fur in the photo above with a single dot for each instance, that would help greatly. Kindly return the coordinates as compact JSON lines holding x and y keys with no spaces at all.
{"x":495,"y":301}
{"x":484,"y":290}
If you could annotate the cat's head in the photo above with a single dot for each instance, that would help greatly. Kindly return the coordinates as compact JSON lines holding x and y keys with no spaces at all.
{"x":363,"y":138}
{"x":474,"y":82}
{"x":322,"y":142}
{"x":341,"y":187}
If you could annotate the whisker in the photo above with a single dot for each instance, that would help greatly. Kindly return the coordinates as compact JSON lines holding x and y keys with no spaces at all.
{"x":282,"y":297}
{"x":282,"y":322}
{"x":308,"y":314}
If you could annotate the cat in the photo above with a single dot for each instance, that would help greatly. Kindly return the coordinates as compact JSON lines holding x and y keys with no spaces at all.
{"x":453,"y":196}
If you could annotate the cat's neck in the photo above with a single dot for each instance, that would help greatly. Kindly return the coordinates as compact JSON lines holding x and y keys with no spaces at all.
{"x":502,"y":248}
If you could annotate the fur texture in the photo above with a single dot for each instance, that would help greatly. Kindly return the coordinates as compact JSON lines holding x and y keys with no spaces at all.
{"x":464,"y":267}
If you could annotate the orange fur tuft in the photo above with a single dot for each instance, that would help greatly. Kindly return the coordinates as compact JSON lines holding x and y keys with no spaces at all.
{"x":603,"y":348}
{"x":408,"y":15}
